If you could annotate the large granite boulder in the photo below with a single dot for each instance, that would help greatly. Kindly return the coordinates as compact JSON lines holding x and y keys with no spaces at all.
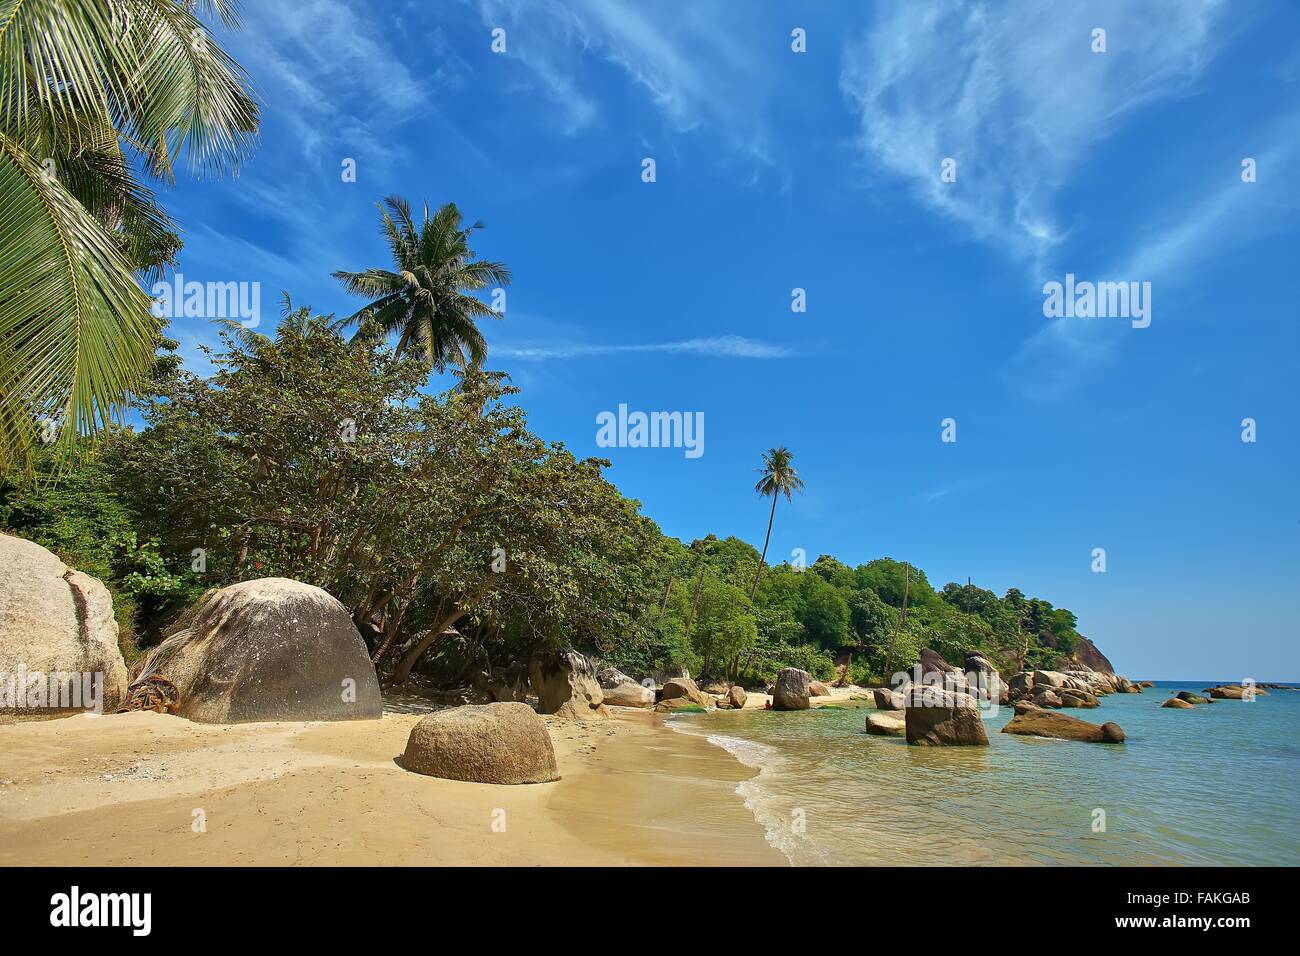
{"x":683,"y":688}
{"x":737,"y":696}
{"x":629,"y":694}
{"x":1235,"y":692}
{"x":491,"y":743}
{"x":1189,"y":697}
{"x":792,"y":689}
{"x":565,"y":684}
{"x":1178,"y":704}
{"x":1045,"y":723}
{"x":817,"y":689}
{"x":936,"y":717}
{"x":1048,"y":679}
{"x":58,"y":622}
{"x":269,"y":649}
{"x":886,"y":725}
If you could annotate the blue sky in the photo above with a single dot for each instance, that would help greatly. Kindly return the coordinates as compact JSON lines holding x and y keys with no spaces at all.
{"x":821,"y":170}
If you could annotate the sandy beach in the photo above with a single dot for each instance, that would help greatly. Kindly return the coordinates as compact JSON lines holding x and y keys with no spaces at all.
{"x":151,"y":789}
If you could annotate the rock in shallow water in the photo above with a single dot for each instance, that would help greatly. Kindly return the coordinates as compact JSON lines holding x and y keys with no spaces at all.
{"x":488,"y":743}
{"x":885,"y":725}
{"x":1177,"y":703}
{"x":792,"y":690}
{"x":1046,"y":723}
{"x":943,"y":718}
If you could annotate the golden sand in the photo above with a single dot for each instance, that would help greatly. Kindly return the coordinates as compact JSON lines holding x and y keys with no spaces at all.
{"x":146,"y":788}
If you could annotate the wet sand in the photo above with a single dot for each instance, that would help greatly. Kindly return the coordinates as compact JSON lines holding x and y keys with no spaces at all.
{"x":150,"y":789}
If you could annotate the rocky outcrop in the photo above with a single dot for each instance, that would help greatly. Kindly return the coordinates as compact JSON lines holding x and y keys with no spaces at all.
{"x":493,"y":743}
{"x":680,"y":688}
{"x":1044,"y":723}
{"x":943,"y":718}
{"x":269,"y":649}
{"x":1178,"y":703}
{"x":737,"y":696}
{"x":57,"y":623}
{"x":1189,"y":697}
{"x":817,"y":689}
{"x":792,"y":690}
{"x":1086,"y":654}
{"x":886,"y":725}
{"x":566,"y":685}
{"x":1084,"y":687}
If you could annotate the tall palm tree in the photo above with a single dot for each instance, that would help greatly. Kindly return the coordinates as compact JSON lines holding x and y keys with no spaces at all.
{"x":778,"y":477}
{"x":89,"y":92}
{"x":426,"y":299}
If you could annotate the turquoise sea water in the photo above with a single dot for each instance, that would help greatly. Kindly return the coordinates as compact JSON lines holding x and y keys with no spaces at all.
{"x":1219,"y":784}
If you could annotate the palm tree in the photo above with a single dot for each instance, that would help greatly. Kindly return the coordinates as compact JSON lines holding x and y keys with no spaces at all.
{"x":779,"y":477}
{"x":89,"y":92}
{"x":426,"y":300}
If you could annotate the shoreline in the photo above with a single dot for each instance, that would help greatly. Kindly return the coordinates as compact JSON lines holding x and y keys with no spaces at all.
{"x":152,"y":789}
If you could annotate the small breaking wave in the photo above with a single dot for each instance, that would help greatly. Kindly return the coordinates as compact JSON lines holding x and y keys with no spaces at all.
{"x":759,"y":794}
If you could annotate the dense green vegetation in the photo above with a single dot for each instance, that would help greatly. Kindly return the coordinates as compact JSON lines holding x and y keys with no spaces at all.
{"x":322,"y":458}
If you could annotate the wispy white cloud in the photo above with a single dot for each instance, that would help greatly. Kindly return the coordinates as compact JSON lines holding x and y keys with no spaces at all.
{"x":1180,"y":244}
{"x":1016,"y":96}
{"x":723,"y":346}
{"x":336,"y":79}
{"x":683,"y":56}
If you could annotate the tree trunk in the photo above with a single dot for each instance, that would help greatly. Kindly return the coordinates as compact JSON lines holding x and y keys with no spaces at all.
{"x":763,"y":557}
{"x":404,"y":668}
{"x":690,"y":618}
{"x":668,"y":589}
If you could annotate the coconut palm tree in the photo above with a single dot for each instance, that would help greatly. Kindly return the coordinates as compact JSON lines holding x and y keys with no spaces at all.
{"x":89,"y":92}
{"x":778,"y":477}
{"x":426,"y":299}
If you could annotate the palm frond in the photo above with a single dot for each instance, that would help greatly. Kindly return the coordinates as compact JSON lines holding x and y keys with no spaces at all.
{"x":76,"y":332}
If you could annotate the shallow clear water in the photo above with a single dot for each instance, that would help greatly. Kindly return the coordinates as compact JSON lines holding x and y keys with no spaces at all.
{"x":1219,"y":784}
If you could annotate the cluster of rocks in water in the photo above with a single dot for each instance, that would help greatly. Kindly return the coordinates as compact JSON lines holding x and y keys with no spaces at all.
{"x":1186,"y":700}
